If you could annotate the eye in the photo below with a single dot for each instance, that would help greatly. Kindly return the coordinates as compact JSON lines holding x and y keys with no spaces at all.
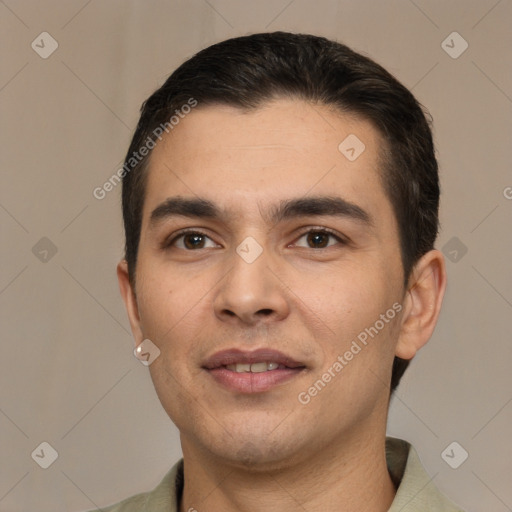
{"x":190,"y":240}
{"x":319,"y":239}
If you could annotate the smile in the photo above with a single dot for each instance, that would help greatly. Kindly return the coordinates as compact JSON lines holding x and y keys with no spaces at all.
{"x":254,"y":367}
{"x":252,"y":372}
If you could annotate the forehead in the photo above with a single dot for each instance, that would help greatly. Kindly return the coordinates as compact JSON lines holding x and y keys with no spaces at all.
{"x":287,"y":148}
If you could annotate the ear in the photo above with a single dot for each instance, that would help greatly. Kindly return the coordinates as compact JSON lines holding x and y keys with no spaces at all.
{"x":422,"y":303}
{"x":130,"y":301}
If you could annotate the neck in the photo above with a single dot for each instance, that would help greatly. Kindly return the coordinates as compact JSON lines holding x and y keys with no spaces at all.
{"x":351,"y":475}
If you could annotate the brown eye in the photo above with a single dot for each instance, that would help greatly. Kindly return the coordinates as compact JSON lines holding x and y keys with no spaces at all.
{"x":319,"y":239}
{"x":191,"y":240}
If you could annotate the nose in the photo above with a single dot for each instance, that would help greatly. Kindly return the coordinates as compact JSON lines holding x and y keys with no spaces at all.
{"x":251,"y":292}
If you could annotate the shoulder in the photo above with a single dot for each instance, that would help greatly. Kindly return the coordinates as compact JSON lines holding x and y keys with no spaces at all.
{"x":416,"y":490}
{"x":135,"y":503}
{"x":163,"y":498}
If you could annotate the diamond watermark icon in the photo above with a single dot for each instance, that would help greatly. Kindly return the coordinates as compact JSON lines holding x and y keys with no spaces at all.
{"x":454,"y":455}
{"x":146,"y":352}
{"x":351,"y":147}
{"x":249,"y":250}
{"x":454,"y":249}
{"x":44,"y":45}
{"x":454,"y":45}
{"x":44,"y":250}
{"x":45,"y":455}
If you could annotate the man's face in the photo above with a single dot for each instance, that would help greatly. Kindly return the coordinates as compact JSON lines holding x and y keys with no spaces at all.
{"x":307,"y":295}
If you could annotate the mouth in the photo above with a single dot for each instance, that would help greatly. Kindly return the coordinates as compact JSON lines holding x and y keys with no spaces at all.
{"x":252,"y":372}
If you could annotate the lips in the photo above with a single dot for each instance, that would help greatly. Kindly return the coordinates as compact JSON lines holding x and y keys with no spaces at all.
{"x":252,"y":372}
{"x":235,"y":356}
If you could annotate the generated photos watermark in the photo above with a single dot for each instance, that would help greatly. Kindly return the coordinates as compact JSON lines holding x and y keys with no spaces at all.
{"x":356,"y":346}
{"x":137,"y":156}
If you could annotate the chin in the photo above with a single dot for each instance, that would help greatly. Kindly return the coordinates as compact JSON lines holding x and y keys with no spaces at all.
{"x":255,"y":457}
{"x":253,"y":448}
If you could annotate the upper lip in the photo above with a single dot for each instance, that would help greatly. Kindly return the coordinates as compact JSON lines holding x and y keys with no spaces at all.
{"x":233,"y":356}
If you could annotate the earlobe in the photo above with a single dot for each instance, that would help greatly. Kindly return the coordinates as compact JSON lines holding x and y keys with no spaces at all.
{"x":130,"y":301}
{"x":422,"y":304}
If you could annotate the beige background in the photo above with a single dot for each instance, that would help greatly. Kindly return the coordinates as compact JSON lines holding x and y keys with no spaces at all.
{"x":67,"y":372}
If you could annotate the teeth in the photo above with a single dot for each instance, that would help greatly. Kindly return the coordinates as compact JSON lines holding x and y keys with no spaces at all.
{"x":241,"y":368}
{"x":259,"y":367}
{"x":254,"y":367}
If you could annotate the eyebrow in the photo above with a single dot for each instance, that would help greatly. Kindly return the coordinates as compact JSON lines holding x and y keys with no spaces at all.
{"x":286,"y":209}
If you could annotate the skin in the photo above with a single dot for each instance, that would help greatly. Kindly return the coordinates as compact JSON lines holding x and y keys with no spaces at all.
{"x":304,"y":297}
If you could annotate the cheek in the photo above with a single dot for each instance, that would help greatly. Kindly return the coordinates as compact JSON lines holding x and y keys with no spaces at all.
{"x":356,"y":304}
{"x":155,"y":300}
{"x":167,"y":298}
{"x":159,"y":315}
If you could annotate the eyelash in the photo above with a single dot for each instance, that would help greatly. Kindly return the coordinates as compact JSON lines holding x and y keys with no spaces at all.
{"x":168,"y":243}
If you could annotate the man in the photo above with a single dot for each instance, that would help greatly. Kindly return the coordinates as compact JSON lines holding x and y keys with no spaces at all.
{"x":280,"y":202}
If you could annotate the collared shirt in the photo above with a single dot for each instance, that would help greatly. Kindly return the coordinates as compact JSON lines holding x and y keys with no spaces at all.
{"x":415,"y":490}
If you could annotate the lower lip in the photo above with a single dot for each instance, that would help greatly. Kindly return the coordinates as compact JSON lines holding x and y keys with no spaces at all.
{"x":248,"y":382}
